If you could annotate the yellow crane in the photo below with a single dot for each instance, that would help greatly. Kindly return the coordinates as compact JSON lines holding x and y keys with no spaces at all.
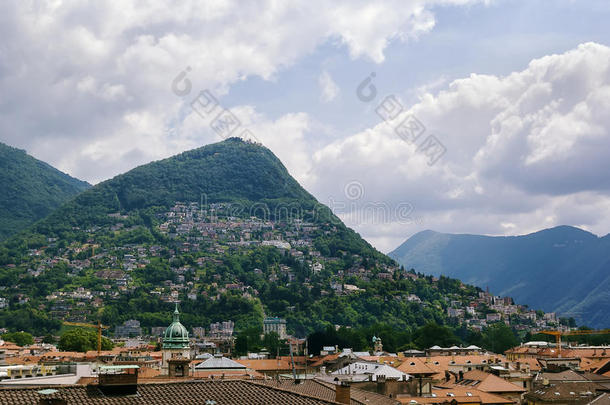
{"x":99,"y":328}
{"x":558,"y":334}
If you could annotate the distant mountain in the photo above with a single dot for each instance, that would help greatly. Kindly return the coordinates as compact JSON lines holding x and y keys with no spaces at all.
{"x":30,"y":189}
{"x":563,"y":269}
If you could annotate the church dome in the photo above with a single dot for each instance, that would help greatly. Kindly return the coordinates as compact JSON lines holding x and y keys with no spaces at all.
{"x":176,"y":336}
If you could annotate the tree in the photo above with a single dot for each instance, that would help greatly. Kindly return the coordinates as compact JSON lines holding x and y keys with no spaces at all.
{"x":272,"y":342}
{"x":48,"y":339}
{"x":82,"y":340}
{"x":432,"y":334}
{"x":248,"y":340}
{"x":19,"y":338}
{"x":499,"y":337}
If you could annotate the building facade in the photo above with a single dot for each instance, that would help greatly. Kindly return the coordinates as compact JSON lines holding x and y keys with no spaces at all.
{"x":274,"y":324}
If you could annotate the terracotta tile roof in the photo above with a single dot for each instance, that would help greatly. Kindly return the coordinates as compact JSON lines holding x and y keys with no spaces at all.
{"x":598,"y":378}
{"x":92,"y":354}
{"x":446,"y":395}
{"x":63,"y":355}
{"x":437,"y":400}
{"x":597,"y":353}
{"x":440,"y":364}
{"x":521,"y":350}
{"x":599,"y":367}
{"x":564,"y":376}
{"x":416,"y":366}
{"x":562,"y":392}
{"x":533,"y":363}
{"x":234,"y":392}
{"x":268,"y":364}
{"x":297,"y":359}
{"x":322,"y":389}
{"x":23,"y":360}
{"x":364,"y":397}
{"x":327,"y":358}
{"x":487,"y":382}
{"x":603,"y":399}
{"x":147,"y":372}
{"x":10,"y":346}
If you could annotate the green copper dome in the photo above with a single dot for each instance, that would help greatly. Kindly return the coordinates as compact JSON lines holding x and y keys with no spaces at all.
{"x":176,"y":336}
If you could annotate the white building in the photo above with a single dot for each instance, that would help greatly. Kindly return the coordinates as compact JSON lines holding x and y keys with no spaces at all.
{"x":274,"y":324}
{"x":370,"y":371}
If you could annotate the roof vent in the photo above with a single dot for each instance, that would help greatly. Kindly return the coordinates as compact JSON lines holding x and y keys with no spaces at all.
{"x":50,"y":396}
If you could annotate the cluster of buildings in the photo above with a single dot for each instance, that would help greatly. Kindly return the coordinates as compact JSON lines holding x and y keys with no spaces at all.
{"x":535,"y":373}
{"x":487,"y":309}
{"x":207,"y":234}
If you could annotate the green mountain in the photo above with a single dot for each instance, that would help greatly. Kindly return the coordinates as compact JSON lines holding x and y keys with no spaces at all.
{"x":225,"y":230}
{"x":563,"y":269}
{"x":30,"y":190}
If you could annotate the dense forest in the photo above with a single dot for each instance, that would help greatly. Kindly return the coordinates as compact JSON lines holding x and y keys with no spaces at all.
{"x":30,"y":190}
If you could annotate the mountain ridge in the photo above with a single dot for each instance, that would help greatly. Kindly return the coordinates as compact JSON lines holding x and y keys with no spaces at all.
{"x":542,"y":269}
{"x":30,"y":189}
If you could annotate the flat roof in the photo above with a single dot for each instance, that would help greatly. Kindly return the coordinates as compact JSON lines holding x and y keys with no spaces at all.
{"x":119,"y":367}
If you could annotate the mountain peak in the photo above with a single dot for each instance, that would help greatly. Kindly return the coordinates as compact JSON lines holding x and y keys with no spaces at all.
{"x":565,"y":230}
{"x":229,"y":170}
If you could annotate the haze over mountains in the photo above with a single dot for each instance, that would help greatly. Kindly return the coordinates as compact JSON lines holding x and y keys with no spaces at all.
{"x":30,"y":189}
{"x":563,"y":269}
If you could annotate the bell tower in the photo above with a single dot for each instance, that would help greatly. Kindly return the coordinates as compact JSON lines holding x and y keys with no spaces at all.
{"x":176,"y":349}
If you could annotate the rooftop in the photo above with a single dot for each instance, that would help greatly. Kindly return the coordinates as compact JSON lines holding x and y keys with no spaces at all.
{"x":235,"y":392}
{"x":219,"y":363}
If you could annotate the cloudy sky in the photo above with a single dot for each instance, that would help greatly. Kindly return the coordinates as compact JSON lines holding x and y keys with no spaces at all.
{"x":470,"y":116}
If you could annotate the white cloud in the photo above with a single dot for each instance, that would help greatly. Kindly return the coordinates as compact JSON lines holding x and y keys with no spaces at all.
{"x":96,"y":76}
{"x":328,"y":87}
{"x":521,"y":149}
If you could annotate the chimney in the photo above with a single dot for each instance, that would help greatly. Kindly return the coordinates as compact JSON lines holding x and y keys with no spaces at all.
{"x":343,"y":393}
{"x":118,"y":380}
